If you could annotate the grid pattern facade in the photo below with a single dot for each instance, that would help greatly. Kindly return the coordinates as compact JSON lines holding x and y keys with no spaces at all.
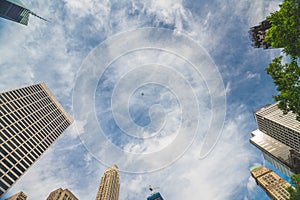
{"x":284,"y":128}
{"x":110,"y":185}
{"x":31,"y":119}
{"x":269,"y":181}
{"x":14,"y":12}
{"x":61,"y":194}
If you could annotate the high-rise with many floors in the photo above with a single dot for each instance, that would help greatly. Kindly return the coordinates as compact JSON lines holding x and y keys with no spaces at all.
{"x":278,"y":137}
{"x":31,"y":119}
{"x":271,"y":183}
{"x":60,"y":194}
{"x":110,"y":184}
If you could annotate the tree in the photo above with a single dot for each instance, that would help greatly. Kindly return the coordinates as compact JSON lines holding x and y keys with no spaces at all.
{"x":287,"y":79}
{"x":295,"y":193}
{"x":285,"y":30}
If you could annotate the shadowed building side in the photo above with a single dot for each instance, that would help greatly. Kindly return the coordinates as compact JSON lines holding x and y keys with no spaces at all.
{"x":110,"y":184}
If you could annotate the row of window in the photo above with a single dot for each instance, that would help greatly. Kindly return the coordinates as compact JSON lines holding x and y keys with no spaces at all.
{"x":20,"y":93}
{"x":10,"y":161}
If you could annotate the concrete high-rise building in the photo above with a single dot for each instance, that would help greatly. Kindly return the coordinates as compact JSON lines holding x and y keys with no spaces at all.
{"x":15,"y":11}
{"x":278,"y":137}
{"x":61,"y":194}
{"x":270,"y":182}
{"x":18,"y":196}
{"x":110,"y":184}
{"x":31,"y":119}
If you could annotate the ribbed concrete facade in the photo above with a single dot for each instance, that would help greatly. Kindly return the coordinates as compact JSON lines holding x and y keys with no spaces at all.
{"x":61,"y":194}
{"x":271,"y":183}
{"x":110,"y":185}
{"x":31,"y":119}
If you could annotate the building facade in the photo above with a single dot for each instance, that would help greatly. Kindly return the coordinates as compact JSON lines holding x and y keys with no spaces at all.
{"x":278,"y":137}
{"x":18,"y":196}
{"x":31,"y":119}
{"x":15,"y":11}
{"x":110,"y":184}
{"x":155,"y":196}
{"x":60,"y":194}
{"x":271,"y":183}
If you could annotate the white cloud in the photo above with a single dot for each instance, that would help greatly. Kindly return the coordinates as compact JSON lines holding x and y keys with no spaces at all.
{"x":53,"y":52}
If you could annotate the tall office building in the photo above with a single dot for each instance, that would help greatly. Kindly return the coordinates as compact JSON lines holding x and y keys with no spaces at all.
{"x":31,"y":119}
{"x":61,"y":194}
{"x":110,"y":184}
{"x":278,"y":137}
{"x":271,"y":183}
{"x":18,"y":196}
{"x":15,"y":11}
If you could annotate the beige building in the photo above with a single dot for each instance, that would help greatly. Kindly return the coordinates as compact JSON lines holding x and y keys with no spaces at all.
{"x":18,"y":196}
{"x":31,"y":119}
{"x":110,"y":184}
{"x":61,"y":194}
{"x":270,"y":182}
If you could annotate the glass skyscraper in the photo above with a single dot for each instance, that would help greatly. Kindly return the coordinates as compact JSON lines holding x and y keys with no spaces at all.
{"x":31,"y":119}
{"x":278,"y":137}
{"x":15,"y":11}
{"x":155,"y":196}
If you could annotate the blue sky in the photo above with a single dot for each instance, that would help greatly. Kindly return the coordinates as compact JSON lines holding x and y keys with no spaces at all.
{"x":151,"y":102}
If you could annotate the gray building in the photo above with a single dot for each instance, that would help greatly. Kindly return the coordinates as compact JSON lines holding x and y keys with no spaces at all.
{"x":31,"y":119}
{"x":278,"y":137}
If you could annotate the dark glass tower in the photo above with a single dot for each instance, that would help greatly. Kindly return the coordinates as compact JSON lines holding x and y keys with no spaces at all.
{"x":15,"y":11}
{"x":31,"y":119}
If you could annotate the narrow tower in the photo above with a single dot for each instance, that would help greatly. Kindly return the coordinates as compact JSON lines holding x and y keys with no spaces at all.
{"x":31,"y":119}
{"x":15,"y":11}
{"x":110,"y":184}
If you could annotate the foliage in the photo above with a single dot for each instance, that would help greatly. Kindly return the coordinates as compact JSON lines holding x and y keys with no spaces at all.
{"x":285,"y":30}
{"x":295,"y":193}
{"x":287,"y":79}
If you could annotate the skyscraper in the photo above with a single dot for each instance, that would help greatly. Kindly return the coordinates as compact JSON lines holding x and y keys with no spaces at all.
{"x":61,"y":194}
{"x":258,"y":33}
{"x":155,"y":196}
{"x":278,"y":137}
{"x":18,"y":196}
{"x":31,"y":119}
{"x":270,"y":182}
{"x":110,"y":184}
{"x":15,"y":11}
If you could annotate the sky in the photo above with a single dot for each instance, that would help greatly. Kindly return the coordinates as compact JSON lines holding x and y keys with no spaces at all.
{"x":164,"y":89}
